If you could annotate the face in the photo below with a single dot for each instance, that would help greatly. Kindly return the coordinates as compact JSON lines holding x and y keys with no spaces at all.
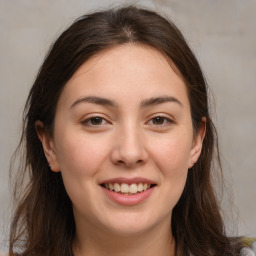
{"x":123,"y":120}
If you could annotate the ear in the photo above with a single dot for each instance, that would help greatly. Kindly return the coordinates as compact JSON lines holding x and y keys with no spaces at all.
{"x":197,"y":144}
{"x":48,"y":146}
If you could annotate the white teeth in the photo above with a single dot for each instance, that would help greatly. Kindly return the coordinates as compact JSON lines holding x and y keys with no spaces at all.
{"x":111,"y":187}
{"x":133,"y":188}
{"x":127,"y":189}
{"x":140,"y":187}
{"x":117,"y":187}
{"x":124,"y":188}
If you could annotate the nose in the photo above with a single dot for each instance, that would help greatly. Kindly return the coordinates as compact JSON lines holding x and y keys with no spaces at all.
{"x":129,"y":148}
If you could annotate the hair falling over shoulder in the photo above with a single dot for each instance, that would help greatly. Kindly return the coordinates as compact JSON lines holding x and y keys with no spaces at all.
{"x":43,"y":222}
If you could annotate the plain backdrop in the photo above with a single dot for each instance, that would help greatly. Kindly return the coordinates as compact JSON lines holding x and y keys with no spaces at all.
{"x":222,"y":34}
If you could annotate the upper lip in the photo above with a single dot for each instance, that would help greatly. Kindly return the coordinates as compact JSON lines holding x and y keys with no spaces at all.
{"x":128,"y":181}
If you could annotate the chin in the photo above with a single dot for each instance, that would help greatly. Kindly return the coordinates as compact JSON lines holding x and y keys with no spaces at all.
{"x":128,"y":230}
{"x":127,"y":224}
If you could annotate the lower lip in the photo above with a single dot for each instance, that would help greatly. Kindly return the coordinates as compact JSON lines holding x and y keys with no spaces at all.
{"x":128,"y":199}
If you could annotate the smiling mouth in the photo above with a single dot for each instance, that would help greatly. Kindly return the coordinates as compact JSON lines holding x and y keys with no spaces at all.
{"x":126,"y":189}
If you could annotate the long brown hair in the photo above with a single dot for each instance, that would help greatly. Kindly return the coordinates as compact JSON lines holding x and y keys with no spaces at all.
{"x":43,"y":222}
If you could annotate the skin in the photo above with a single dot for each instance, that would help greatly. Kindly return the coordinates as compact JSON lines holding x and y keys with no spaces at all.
{"x":128,"y":140}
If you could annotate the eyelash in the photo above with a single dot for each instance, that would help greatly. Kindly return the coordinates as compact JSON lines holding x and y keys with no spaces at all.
{"x":88,"y":121}
{"x":167,"y":121}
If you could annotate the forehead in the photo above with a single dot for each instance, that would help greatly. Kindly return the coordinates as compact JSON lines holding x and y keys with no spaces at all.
{"x":129,"y":57}
{"x":126,"y":73}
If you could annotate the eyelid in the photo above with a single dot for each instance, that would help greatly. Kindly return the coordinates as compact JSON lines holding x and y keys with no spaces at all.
{"x":88,"y":117}
{"x":168,"y":118}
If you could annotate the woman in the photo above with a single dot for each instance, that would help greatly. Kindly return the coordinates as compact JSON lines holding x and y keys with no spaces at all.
{"x":119,"y":145}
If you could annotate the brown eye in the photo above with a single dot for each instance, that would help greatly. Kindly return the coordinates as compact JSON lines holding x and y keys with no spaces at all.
{"x":94,"y":121}
{"x":159,"y":120}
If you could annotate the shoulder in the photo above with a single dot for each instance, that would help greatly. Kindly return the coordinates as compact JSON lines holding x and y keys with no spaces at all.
{"x":250,"y":247}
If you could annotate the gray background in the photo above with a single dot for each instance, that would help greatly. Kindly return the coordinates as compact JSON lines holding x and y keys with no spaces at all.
{"x":222,"y":35}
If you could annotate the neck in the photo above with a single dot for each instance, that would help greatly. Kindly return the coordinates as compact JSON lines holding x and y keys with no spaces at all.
{"x":156,"y":241}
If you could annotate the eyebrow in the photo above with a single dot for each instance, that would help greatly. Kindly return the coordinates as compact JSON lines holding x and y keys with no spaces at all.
{"x":145,"y":103}
{"x":159,"y":100}
{"x":95,"y":100}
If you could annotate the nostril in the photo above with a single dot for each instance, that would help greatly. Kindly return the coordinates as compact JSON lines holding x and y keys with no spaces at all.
{"x":120,"y":162}
{"x":129,"y":163}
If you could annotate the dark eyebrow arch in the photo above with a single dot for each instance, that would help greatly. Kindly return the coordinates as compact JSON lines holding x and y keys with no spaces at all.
{"x":95,"y":100}
{"x":111,"y":103}
{"x":159,"y":100}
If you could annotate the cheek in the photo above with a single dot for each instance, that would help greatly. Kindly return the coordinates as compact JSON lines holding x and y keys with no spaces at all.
{"x":80,"y":158}
{"x":172,"y":154}
{"x":172,"y":157}
{"x":81,"y":155}
{"x":173,"y":163}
